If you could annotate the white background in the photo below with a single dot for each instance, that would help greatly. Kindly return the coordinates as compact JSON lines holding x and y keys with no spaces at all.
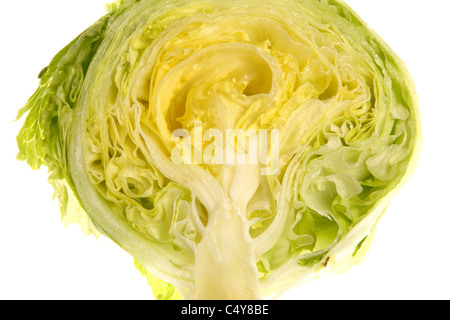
{"x":40,"y":259}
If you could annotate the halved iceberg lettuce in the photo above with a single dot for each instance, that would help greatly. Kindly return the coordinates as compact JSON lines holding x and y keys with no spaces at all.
{"x":233,"y":148}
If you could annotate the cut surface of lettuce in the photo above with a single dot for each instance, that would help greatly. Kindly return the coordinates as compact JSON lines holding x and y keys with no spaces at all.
{"x":339,"y":107}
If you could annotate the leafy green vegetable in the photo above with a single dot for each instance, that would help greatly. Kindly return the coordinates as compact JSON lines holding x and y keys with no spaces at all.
{"x":233,"y":148}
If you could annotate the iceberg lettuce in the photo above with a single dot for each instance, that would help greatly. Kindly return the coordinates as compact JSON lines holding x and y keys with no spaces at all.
{"x":234,"y":148}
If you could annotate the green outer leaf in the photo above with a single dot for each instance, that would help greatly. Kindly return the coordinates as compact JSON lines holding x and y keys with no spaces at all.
{"x":161,"y":290}
{"x":43,"y":137}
